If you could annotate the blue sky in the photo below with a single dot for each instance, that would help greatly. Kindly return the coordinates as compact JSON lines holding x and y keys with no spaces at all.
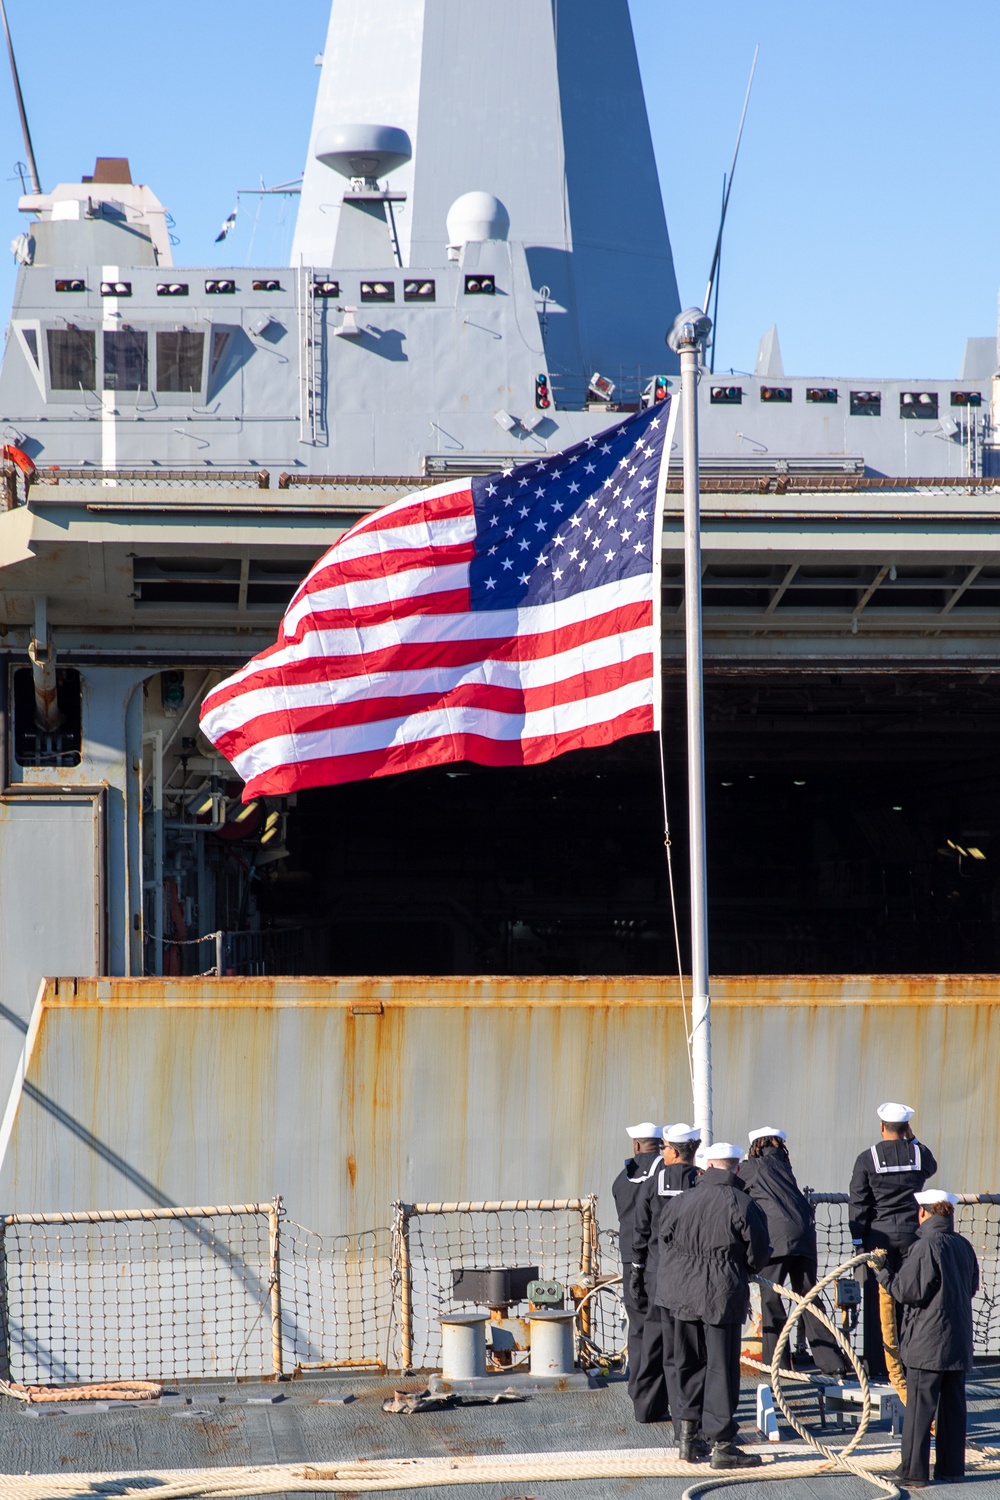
{"x":865,"y":218}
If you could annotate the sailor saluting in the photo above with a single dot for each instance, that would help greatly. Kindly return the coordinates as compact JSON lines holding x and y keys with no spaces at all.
{"x":883,"y":1215}
{"x":647,"y":1139}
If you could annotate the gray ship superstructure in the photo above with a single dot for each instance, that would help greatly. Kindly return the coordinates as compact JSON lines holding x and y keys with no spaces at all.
{"x":482,"y":273}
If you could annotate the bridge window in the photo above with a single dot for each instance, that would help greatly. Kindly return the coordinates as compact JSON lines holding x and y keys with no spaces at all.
{"x":72,"y":359}
{"x":866,"y":403}
{"x":918,"y":405}
{"x":126,"y":360}
{"x":179,"y":358}
{"x":378,"y":291}
{"x":726,"y":395}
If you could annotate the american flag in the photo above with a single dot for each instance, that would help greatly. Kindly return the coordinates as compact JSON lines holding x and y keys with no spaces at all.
{"x":502,"y":620}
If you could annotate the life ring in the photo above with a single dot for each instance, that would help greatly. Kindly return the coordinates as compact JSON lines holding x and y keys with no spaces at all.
{"x":19,"y":459}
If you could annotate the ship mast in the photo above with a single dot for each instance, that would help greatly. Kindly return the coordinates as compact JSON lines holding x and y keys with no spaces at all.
{"x":29,"y":149}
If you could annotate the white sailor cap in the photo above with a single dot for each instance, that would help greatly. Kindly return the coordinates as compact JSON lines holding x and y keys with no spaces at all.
{"x":647,"y":1131}
{"x":935,"y":1195}
{"x":676,"y":1135}
{"x":723,"y":1151}
{"x":701,"y":1158}
{"x":895,"y":1114}
{"x":765,"y":1130}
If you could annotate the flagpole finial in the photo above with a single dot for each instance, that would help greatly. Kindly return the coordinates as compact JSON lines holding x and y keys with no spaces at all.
{"x":689,"y":329}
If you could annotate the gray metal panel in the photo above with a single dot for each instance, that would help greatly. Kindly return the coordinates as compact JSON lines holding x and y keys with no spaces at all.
{"x":51,"y":901}
{"x":345,"y":1094}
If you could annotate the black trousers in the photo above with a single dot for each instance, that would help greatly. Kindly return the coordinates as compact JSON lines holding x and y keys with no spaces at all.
{"x":800,"y":1273}
{"x":650,"y":1391}
{"x":708,"y":1376}
{"x":934,"y":1396}
{"x":636,"y":1326}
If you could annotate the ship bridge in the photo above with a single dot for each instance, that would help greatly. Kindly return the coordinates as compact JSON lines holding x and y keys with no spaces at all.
{"x":852,"y":657}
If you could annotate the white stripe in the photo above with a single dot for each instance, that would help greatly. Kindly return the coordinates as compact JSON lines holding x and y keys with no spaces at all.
{"x":499,"y":624}
{"x":590,"y":657}
{"x":412,"y":584}
{"x":564,"y":718}
{"x":448,"y":531}
{"x":449,"y":487}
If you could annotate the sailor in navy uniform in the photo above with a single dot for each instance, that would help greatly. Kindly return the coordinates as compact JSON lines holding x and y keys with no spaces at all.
{"x":647,"y":1139}
{"x":654,"y":1394}
{"x":883,"y":1210}
{"x":935,"y":1284}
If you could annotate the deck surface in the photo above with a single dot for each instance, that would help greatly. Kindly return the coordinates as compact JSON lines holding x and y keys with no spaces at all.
{"x":221,"y":1425}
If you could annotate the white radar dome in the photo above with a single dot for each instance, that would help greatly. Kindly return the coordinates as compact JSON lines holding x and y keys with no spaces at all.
{"x":477,"y":216}
{"x":368,"y":151}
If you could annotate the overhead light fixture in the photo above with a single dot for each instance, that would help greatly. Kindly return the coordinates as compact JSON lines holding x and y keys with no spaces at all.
{"x":116,"y":288}
{"x":798,"y":783}
{"x":171,"y":288}
{"x":246,"y":811}
{"x":897,"y":807}
{"x":220,"y":286}
{"x":273,"y":826}
{"x":727,"y":783}
{"x":480,"y":286}
{"x":976,"y":853}
{"x":205,"y":797}
{"x":418,"y":291}
{"x":326,"y":288}
{"x":267,"y":284}
{"x":71,"y":284}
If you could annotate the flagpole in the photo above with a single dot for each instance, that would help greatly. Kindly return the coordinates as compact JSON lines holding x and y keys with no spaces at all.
{"x":687,"y":338}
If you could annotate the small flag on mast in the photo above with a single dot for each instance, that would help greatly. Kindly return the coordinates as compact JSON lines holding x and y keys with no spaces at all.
{"x":502,"y":620}
{"x":228,"y":226}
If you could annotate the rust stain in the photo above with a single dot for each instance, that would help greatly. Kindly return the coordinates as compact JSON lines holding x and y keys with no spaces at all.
{"x":352,"y":1169}
{"x":375,"y":996}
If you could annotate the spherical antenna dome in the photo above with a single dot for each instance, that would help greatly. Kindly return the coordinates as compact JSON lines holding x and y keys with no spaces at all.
{"x":477,"y":216}
{"x":363,"y":150}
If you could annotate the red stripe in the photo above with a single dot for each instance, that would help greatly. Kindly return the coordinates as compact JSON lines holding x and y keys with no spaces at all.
{"x":356,"y":617}
{"x":384,"y":564}
{"x":320,"y":718}
{"x":418,"y":655}
{"x":445,"y":750}
{"x":423,"y":508}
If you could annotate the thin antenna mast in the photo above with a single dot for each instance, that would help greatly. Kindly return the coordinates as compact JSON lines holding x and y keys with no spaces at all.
{"x":732,"y":172}
{"x":29,"y":149}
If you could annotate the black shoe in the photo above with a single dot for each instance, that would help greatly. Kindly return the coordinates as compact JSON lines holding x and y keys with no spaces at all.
{"x":691,"y":1448}
{"x":908,"y":1484}
{"x":729,"y":1456}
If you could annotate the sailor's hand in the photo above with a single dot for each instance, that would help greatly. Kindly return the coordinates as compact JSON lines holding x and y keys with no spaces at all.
{"x":877,"y":1260}
{"x":637,"y":1288}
